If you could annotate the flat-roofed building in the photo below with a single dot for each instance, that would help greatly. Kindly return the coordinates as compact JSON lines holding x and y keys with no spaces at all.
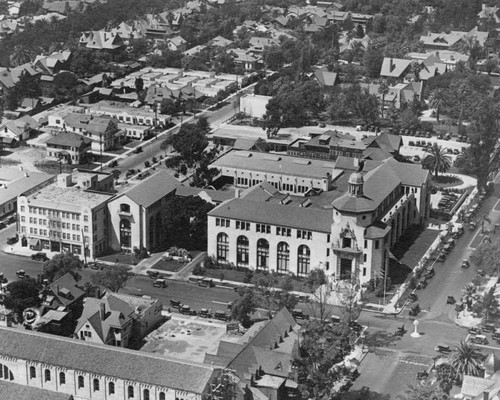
{"x":92,"y":371}
{"x":64,"y":216}
{"x":287,"y":174}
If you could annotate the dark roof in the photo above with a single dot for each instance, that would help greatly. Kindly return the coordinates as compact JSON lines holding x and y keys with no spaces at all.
{"x":325,"y":78}
{"x":377,"y":230}
{"x":152,"y":189}
{"x":410,"y":174}
{"x":13,"y":391}
{"x":69,"y":139}
{"x":126,"y":364}
{"x":65,"y":289}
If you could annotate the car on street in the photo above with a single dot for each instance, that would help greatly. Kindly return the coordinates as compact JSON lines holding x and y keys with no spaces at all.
{"x":175,"y":304}
{"x":450,"y":300}
{"x":204,"y":313}
{"x":40,"y":256}
{"x":206,"y":282}
{"x":479,"y":339}
{"x":222,"y":316}
{"x":12,"y":240}
{"x":465,"y":263}
{"x":475,"y":331}
{"x":94,"y":265}
{"x":160,"y":283}
{"x":21,"y":274}
{"x":489,"y":328}
{"x":186,"y":310}
{"x":153,"y":274}
{"x":299,"y":314}
{"x":442,"y":348}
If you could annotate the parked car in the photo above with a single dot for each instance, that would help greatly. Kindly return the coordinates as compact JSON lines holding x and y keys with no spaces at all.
{"x":334,"y":319}
{"x":206,"y":282}
{"x":496,"y":335}
{"x":299,"y":314}
{"x":450,"y":300}
{"x":489,"y":328}
{"x":223,"y":316}
{"x":161,"y":283}
{"x":465,"y":263}
{"x":186,"y":310}
{"x":475,"y":331}
{"x":12,"y":240}
{"x":21,"y":274}
{"x":40,"y":256}
{"x":204,"y":313}
{"x":479,"y":339}
{"x":153,"y":274}
{"x":175,"y":304}
{"x":94,"y":265}
{"x":442,"y":348}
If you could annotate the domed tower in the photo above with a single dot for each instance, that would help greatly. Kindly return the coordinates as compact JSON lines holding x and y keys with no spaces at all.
{"x":356,"y":182}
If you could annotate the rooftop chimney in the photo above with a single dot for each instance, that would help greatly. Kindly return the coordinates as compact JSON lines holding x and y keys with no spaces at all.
{"x":103,"y":311}
{"x":392,"y":65}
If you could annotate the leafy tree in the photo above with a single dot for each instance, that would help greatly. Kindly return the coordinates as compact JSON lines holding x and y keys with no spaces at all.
{"x":22,"y":294}
{"x":487,"y":257}
{"x":244,"y":306}
{"x":139,"y":86}
{"x":60,"y":265}
{"x":273,"y":293}
{"x":168,"y":106}
{"x":445,"y":375}
{"x":185,"y":220}
{"x":438,"y":160}
{"x":190,"y":142}
{"x":466,"y":360}
{"x":112,"y":277}
{"x":487,"y":305}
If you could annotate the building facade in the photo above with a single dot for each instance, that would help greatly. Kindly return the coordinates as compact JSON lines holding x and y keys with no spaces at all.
{"x":64,"y":216}
{"x":91,"y":371}
{"x":346,"y":231}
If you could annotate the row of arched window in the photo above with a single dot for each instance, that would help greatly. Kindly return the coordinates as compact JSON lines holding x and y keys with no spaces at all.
{"x":96,"y":383}
{"x":6,"y":373}
{"x":282,"y":255}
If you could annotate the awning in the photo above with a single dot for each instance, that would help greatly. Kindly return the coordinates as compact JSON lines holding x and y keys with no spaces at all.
{"x":34,"y":242}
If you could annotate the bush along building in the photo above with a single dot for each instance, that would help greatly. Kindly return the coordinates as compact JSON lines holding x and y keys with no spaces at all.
{"x":346,"y":229}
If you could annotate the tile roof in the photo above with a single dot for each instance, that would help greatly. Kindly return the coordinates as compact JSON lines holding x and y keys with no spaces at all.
{"x":126,"y":364}
{"x":14,"y":391}
{"x":292,"y":216}
{"x":275,"y":164}
{"x":152,"y":189}
{"x":69,"y":139}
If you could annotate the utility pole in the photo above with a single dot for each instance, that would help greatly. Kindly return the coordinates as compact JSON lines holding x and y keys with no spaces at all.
{"x":100,"y":144}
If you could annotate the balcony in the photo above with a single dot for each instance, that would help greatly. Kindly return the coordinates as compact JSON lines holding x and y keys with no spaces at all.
{"x":124,"y":213}
{"x":338,"y":248}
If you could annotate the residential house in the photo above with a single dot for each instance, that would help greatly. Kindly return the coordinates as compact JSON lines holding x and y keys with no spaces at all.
{"x":489,"y":13}
{"x":262,"y":359}
{"x":68,"y":147}
{"x":448,"y":40}
{"x":220,"y":41}
{"x":176,"y":43}
{"x":69,"y":367}
{"x":136,"y":213}
{"x":101,"y":40}
{"x":398,"y":95}
{"x":485,"y":387}
{"x":19,"y":129}
{"x":325,"y":78}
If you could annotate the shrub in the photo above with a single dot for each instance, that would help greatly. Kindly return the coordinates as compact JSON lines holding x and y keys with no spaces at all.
{"x":154,"y":160}
{"x":198,"y":270}
{"x":147,"y":164}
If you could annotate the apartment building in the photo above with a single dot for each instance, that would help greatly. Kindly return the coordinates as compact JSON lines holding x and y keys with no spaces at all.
{"x":68,"y":147}
{"x":66,"y":215}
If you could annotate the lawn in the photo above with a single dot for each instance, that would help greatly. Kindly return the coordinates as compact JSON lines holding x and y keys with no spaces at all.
{"x":171,"y":266}
{"x":119,"y":258}
{"x":52,"y":167}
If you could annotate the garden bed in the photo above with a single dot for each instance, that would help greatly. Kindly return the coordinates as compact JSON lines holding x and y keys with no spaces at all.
{"x":446,"y":181}
{"x":171,"y":265}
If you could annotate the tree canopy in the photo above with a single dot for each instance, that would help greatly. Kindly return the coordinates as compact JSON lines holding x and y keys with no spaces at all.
{"x":22,"y":294}
{"x":60,"y":265}
{"x":190,"y":142}
{"x":112,"y":277}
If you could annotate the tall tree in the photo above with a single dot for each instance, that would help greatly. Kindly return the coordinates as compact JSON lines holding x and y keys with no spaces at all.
{"x":437,"y":101}
{"x":112,"y":277}
{"x":190,"y":142}
{"x":22,"y":294}
{"x":468,"y":293}
{"x":486,"y":305}
{"x":244,"y":306}
{"x":60,"y":265}
{"x":445,"y":375}
{"x":438,"y":160}
{"x":467,"y":360}
{"x":383,"y":89}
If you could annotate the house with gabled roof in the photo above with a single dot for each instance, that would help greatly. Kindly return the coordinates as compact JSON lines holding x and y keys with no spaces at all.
{"x":135,"y":214}
{"x":101,"y":40}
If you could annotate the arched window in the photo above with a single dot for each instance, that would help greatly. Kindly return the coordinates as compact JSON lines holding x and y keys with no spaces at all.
{"x":145,"y":394}
{"x":62,"y":378}
{"x":6,"y":373}
{"x":222,"y":246}
{"x":111,"y":388}
{"x":303,"y":260}
{"x":283,"y":257}
{"x":162,"y":396}
{"x":130,"y":392}
{"x":262,"y":254}
{"x":125,"y":233}
{"x":242,"y":251}
{"x":96,"y":385}
{"x":47,"y":375}
{"x":81,"y":382}
{"x":125,"y":208}
{"x":32,"y":372}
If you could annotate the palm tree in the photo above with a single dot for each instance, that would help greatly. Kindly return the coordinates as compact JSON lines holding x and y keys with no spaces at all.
{"x":487,"y":305}
{"x":437,"y":100}
{"x":383,"y":89}
{"x":468,"y":294}
{"x":20,"y":55}
{"x":438,"y":161}
{"x":466,"y":360}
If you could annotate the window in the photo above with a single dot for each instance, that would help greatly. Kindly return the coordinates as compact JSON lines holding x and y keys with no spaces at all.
{"x":304,"y":234}
{"x":346,"y":242}
{"x":23,"y":208}
{"x":222,"y":246}
{"x":125,"y":233}
{"x":262,"y":253}
{"x":62,"y":378}
{"x":130,"y":392}
{"x":377,"y":244}
{"x":111,"y":388}
{"x":283,"y":257}
{"x":6,"y":373}
{"x":280,"y":231}
{"x":303,"y":260}
{"x":245,"y":226}
{"x":47,"y":375}
{"x":96,"y":385}
{"x":81,"y":382}
{"x":366,"y":244}
{"x":145,"y":393}
{"x":263,"y":228}
{"x":162,"y":396}
{"x":125,"y":208}
{"x":242,"y":251}
{"x":32,"y":372}
{"x":86,"y":218}
{"x":364,"y":257}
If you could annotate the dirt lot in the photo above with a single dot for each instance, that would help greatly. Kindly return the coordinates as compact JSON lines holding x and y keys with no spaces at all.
{"x":188,"y":338}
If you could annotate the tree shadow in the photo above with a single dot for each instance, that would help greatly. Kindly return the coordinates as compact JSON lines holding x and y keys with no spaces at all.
{"x":383,"y":339}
